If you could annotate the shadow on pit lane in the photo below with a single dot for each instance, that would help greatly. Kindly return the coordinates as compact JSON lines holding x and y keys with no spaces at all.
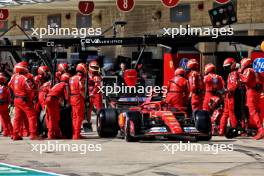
{"x":86,"y":138}
{"x":184,"y":141}
{"x":166,"y":141}
{"x":246,"y":137}
{"x":222,"y":141}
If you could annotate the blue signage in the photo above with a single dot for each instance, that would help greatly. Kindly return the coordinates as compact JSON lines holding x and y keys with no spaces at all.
{"x":183,"y":63}
{"x":258,"y":65}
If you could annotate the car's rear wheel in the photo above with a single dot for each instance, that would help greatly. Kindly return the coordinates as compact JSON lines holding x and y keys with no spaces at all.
{"x":107,"y":123}
{"x":133,"y":126}
{"x":203,"y":124}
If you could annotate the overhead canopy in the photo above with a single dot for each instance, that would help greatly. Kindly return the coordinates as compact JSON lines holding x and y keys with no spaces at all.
{"x":179,"y":41}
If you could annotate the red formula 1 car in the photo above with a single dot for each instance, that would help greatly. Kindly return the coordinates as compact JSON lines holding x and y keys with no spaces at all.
{"x":154,"y":119}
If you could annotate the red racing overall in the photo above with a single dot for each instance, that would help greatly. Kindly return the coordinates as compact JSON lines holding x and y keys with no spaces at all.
{"x":77,"y":100}
{"x":54,"y":98}
{"x":24,"y":91}
{"x":213,"y":83}
{"x":96,"y":98}
{"x":196,"y":86}
{"x":5,"y":99}
{"x":178,"y":92}
{"x":253,"y":86}
{"x":229,"y":107}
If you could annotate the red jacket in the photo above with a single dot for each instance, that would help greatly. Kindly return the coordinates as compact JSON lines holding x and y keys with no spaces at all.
{"x":94,"y":84}
{"x":38,"y":80}
{"x":233,"y":81}
{"x":213,"y":82}
{"x":178,"y":85}
{"x":44,"y":90}
{"x":60,"y":90}
{"x":250,"y":79}
{"x":77,"y":85}
{"x":195,"y":81}
{"x":22,"y":86}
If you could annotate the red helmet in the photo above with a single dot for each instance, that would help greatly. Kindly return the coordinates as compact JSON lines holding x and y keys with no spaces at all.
{"x":230,"y":62}
{"x":246,"y":62}
{"x":37,"y":78}
{"x":63,"y":67}
{"x":209,"y":68}
{"x":65,"y":77}
{"x":21,"y":67}
{"x":179,"y":71}
{"x":2,"y":78}
{"x":94,"y":67}
{"x":192,"y":64}
{"x":43,"y":70}
{"x":81,"y":68}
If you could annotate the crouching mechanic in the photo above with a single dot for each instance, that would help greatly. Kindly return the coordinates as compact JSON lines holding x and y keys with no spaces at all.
{"x":5,"y":99}
{"x":77,"y":99}
{"x":94,"y":83}
{"x":24,"y":92}
{"x":232,"y":85}
{"x":58,"y":94}
{"x":253,"y":92}
{"x":214,"y":85}
{"x":178,"y":90}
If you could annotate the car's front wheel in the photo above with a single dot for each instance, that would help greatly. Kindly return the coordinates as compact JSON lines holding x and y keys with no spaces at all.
{"x":107,"y":123}
{"x":203,"y":124}
{"x":133,"y":126}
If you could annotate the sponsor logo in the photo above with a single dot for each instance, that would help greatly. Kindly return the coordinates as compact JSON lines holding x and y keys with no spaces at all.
{"x":158,"y":130}
{"x":258,"y":65}
{"x":101,"y":41}
{"x":183,"y":63}
{"x":190,"y":129}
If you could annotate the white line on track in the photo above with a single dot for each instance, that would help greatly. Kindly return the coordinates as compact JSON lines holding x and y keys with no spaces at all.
{"x":30,"y":169}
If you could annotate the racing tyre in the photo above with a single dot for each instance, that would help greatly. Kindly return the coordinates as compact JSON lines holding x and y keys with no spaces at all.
{"x":107,"y":123}
{"x":133,"y":126}
{"x":206,"y":137}
{"x":42,"y":126}
{"x":203,"y":124}
{"x":66,"y":122}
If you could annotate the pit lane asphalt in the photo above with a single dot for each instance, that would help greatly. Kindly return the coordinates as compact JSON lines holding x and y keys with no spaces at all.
{"x":146,"y":158}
